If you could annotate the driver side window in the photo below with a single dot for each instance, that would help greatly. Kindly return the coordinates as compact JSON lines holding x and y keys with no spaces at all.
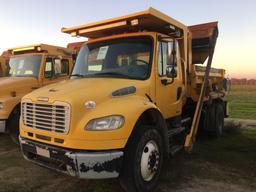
{"x":56,"y":67}
{"x":48,"y":72}
{"x":165,"y":56}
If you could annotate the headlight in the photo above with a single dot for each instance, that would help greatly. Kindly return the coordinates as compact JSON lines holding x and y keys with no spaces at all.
{"x":105,"y":123}
{"x":1,"y":105}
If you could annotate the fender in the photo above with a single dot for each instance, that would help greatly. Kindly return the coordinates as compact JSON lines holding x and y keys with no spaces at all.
{"x":10,"y":103}
{"x":131,"y":107}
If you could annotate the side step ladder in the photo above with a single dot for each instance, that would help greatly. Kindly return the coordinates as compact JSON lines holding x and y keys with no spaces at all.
{"x":176,"y":146}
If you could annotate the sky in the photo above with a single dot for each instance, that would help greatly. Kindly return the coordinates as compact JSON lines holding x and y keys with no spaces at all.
{"x":30,"y":22}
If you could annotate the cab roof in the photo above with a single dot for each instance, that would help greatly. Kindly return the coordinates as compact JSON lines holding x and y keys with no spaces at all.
{"x":39,"y":48}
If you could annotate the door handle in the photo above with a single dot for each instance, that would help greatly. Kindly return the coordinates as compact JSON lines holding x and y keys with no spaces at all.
{"x":179,"y":91}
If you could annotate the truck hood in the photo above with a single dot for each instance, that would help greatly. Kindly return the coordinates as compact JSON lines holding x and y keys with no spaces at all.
{"x":21,"y":85}
{"x":86,"y":89}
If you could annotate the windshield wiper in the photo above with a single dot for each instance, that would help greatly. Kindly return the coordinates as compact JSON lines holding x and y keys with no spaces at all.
{"x":77,"y":75}
{"x":22,"y":76}
{"x":112,"y":74}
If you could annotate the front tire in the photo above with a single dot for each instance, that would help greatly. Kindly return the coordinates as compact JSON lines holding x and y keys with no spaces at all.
{"x":13,"y":126}
{"x":142,"y":161}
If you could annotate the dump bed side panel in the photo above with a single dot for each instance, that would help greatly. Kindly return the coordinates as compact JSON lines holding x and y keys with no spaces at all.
{"x":201,"y":41}
{"x":215,"y":82}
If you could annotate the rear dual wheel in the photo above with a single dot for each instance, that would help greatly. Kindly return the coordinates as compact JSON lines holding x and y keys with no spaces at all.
{"x":219,"y":120}
{"x":212,"y":120}
{"x":215,"y":122}
{"x":143,"y":161}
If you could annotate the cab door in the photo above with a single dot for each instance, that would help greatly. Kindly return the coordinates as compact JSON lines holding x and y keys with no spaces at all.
{"x":56,"y":69}
{"x":169,"y":90}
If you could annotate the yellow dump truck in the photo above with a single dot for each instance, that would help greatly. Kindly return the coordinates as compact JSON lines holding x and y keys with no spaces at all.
{"x":136,"y":96}
{"x":31,"y":67}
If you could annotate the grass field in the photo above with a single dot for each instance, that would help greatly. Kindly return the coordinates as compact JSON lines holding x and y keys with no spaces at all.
{"x":225,"y":164}
{"x":242,"y":100}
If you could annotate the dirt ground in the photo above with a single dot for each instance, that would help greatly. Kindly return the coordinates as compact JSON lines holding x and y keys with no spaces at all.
{"x":216,"y":165}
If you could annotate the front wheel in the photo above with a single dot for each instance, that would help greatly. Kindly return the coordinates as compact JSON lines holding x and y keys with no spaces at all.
{"x":13,"y":126}
{"x":143,"y":161}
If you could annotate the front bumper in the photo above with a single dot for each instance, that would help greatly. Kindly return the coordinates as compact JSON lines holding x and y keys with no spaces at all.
{"x":82,"y":164}
{"x":2,"y":126}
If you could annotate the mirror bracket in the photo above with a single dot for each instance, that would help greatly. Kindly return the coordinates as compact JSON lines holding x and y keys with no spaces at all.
{"x":167,"y":81}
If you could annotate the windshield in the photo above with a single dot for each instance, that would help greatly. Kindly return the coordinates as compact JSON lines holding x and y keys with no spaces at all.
{"x":24,"y":66}
{"x":128,"y":58}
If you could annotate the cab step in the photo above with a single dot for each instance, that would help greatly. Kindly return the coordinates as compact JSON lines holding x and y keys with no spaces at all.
{"x":175,"y":131}
{"x":175,"y":149}
{"x":186,"y":120}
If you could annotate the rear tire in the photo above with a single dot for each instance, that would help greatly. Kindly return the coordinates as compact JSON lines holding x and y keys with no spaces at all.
{"x":212,"y":120}
{"x":143,"y":160}
{"x":219,"y":120}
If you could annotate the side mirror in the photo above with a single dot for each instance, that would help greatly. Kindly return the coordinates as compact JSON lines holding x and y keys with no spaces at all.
{"x":57,"y":66}
{"x":171,"y":71}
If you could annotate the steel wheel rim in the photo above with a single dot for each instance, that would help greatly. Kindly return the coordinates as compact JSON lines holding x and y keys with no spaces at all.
{"x":149,"y":163}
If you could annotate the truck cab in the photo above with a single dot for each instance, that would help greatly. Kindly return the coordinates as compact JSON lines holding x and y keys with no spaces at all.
{"x":30,"y":67}
{"x":132,"y":100}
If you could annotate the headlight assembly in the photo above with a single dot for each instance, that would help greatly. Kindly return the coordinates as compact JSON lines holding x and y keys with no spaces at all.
{"x":105,"y":123}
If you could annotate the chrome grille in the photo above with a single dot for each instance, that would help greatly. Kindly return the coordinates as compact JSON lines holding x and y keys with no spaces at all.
{"x":54,"y":118}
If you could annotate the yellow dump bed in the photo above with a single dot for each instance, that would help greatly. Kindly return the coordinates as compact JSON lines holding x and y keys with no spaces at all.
{"x":204,"y":37}
{"x":215,"y":81}
{"x":150,"y":20}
